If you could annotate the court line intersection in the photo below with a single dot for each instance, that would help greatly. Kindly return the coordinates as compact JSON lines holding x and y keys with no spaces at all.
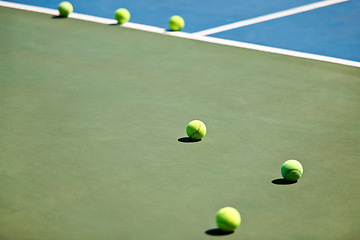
{"x":192,"y":36}
{"x":269,"y":17}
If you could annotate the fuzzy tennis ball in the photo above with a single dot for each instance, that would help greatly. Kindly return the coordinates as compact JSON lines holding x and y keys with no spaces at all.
{"x":228,"y":219}
{"x":122,"y":15}
{"x":196,"y":129}
{"x":176,"y":23}
{"x":65,"y":8}
{"x":292,"y":170}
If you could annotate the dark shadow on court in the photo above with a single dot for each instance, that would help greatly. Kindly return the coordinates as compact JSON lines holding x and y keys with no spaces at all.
{"x":115,"y":24}
{"x":188,"y":140}
{"x":58,"y":17}
{"x":217,"y":232}
{"x":281,"y":181}
{"x":169,"y":30}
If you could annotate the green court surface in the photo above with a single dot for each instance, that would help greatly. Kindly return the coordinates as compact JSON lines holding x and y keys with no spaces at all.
{"x":92,"y":136}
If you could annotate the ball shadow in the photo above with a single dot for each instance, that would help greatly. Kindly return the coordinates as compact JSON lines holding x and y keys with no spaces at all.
{"x":282,"y":181}
{"x":217,"y":232}
{"x":188,"y":140}
{"x":173,"y":31}
{"x":58,"y":17}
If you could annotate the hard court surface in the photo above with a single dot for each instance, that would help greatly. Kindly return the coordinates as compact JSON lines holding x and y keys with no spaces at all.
{"x":92,"y":136}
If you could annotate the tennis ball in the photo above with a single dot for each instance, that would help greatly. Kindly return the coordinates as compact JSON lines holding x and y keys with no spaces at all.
{"x":176,"y":23}
{"x":122,"y":15}
{"x":196,"y":129}
{"x":65,"y":8}
{"x":228,"y":219}
{"x":292,"y":170}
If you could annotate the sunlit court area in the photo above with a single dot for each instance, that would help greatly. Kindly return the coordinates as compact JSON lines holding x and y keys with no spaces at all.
{"x":129,"y":120}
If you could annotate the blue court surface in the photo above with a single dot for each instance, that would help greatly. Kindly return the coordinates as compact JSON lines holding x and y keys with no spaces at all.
{"x":332,"y":30}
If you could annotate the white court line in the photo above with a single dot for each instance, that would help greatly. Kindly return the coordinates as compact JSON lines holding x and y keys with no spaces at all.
{"x":268,"y":17}
{"x":266,"y":49}
{"x":185,"y":35}
{"x":81,"y":16}
{"x":29,"y":8}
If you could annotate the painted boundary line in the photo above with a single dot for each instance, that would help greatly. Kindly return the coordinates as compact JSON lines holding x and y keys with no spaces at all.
{"x":79,"y":16}
{"x":267,"y":49}
{"x":269,"y":17}
{"x":185,"y":35}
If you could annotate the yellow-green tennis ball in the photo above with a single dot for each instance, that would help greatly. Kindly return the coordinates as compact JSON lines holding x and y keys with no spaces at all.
{"x":122,"y":15}
{"x":228,"y":219}
{"x":196,"y":129}
{"x":292,"y":170}
{"x":176,"y":23}
{"x":65,"y":8}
